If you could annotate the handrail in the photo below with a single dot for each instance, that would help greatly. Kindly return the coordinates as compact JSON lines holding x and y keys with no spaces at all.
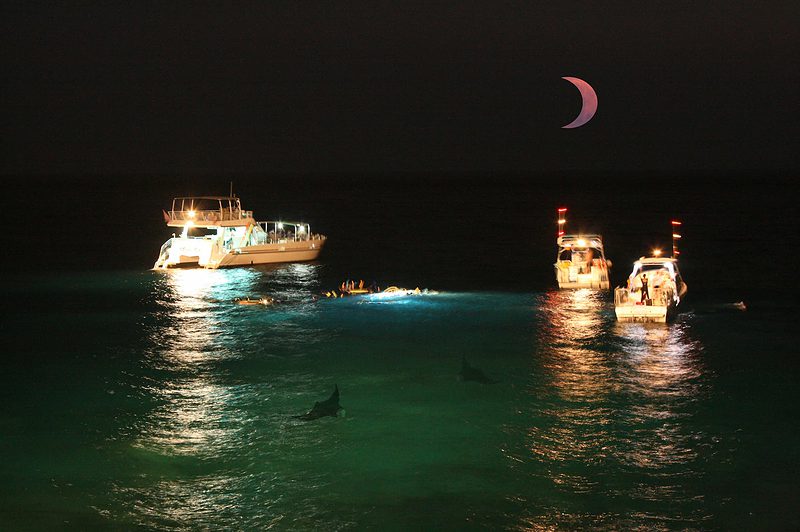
{"x":279,"y":231}
{"x":211,"y":215}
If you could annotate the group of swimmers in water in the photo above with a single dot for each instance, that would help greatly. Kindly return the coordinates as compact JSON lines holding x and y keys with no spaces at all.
{"x":266,"y":301}
{"x":347,"y":288}
{"x":350,"y":288}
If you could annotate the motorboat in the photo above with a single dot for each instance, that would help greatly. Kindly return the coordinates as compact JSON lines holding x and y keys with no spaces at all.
{"x":654,"y":288}
{"x":217,"y":233}
{"x":658,"y":302}
{"x":580,"y":261}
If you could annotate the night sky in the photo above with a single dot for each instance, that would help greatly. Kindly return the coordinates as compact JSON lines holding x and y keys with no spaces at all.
{"x":376,"y":88}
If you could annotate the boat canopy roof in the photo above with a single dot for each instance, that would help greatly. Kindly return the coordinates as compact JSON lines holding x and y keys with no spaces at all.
{"x":185,"y":202}
{"x":220,"y":198}
{"x":589,"y":241}
{"x":657,"y":260}
{"x":648,"y":264}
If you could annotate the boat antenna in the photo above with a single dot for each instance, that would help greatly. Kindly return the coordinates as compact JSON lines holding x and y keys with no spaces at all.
{"x":676,"y":225}
{"x":561,"y":221}
{"x":232,"y":190}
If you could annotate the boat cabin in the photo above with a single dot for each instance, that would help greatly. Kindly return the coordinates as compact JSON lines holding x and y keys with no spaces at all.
{"x":581,"y":252}
{"x":663,"y":279}
{"x":581,"y":262}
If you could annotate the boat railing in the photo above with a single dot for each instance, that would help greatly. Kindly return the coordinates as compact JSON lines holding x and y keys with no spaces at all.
{"x":282,"y":232}
{"x":621,"y":296}
{"x":210,"y":215}
{"x":165,"y":247}
{"x":163,"y":253}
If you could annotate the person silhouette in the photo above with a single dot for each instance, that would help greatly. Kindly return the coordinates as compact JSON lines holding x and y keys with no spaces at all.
{"x":645,"y":292}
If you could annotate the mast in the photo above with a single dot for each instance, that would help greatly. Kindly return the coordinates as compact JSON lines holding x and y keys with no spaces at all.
{"x":676,"y":226}
{"x":562,"y":221}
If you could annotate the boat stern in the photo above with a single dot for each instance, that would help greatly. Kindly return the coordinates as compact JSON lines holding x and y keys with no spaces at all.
{"x":178,"y":252}
{"x":641,"y":313}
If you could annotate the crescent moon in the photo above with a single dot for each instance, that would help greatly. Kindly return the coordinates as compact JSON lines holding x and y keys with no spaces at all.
{"x":589,"y":106}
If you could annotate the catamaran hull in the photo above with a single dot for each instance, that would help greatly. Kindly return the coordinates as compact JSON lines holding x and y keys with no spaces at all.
{"x":269,"y":255}
{"x":208,"y":254}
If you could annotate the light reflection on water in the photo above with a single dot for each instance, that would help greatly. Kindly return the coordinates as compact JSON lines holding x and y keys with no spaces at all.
{"x":604,"y":417}
{"x":612,"y":410}
{"x":202,"y":419}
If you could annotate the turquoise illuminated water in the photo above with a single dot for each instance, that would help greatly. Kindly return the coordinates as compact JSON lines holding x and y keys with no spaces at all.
{"x":150,"y":400}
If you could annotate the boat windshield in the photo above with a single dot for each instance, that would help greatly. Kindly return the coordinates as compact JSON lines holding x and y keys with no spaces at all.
{"x":201,"y":232}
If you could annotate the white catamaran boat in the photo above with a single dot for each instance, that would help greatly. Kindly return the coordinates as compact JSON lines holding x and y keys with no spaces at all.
{"x":581,"y":260}
{"x":655,"y":288}
{"x":217,"y":233}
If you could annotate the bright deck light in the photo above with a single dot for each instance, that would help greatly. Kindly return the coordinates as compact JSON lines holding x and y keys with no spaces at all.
{"x":581,"y":242}
{"x":656,"y":252}
{"x":191,"y":214}
{"x":280,"y":225}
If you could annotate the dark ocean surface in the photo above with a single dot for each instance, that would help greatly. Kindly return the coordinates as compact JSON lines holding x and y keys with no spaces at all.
{"x":135,"y":399}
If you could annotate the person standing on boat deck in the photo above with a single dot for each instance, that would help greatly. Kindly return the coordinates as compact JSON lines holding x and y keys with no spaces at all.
{"x":645,"y":292}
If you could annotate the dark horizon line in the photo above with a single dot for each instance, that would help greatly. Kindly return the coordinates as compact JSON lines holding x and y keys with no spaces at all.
{"x":474,"y":177}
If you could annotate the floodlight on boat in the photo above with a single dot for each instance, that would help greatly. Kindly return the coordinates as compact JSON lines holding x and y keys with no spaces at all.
{"x":191,"y":214}
{"x":581,"y":242}
{"x":656,"y":252}
{"x":280,"y":225}
{"x":301,"y":229}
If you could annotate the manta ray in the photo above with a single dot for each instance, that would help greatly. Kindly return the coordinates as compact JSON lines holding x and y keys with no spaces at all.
{"x":468,"y":373}
{"x":328,"y":407}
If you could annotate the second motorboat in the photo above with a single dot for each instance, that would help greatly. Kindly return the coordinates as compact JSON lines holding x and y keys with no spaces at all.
{"x":581,"y":261}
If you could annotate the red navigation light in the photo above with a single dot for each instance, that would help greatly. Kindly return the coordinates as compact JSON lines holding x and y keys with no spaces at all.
{"x":562,"y":209}
{"x":674,"y":222}
{"x":561,"y":233}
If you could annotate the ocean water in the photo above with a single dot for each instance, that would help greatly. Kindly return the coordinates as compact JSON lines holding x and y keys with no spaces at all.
{"x":135,"y":399}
